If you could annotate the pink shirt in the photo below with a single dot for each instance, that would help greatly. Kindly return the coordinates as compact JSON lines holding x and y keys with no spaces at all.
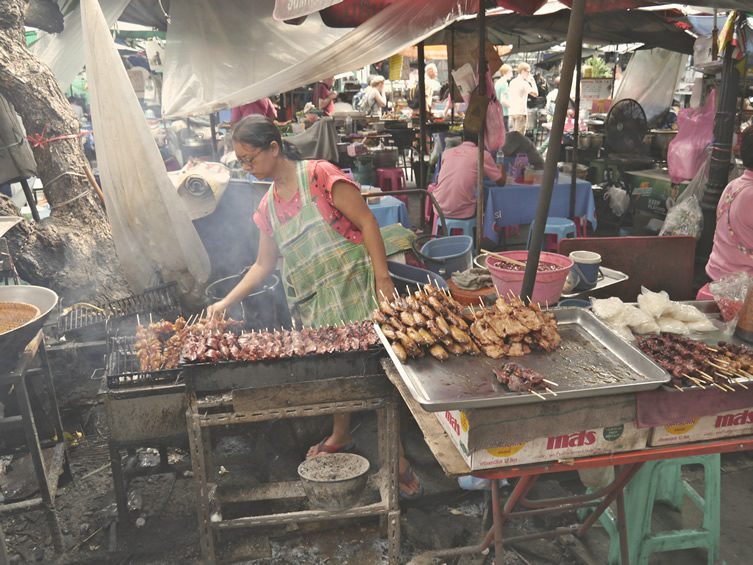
{"x":322,"y":91}
{"x":327,"y":175}
{"x":263,"y":107}
{"x":456,"y":187}
{"x":733,"y":252}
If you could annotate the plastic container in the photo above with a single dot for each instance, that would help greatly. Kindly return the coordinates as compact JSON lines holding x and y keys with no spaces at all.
{"x":446,"y":255}
{"x":549,"y":284}
{"x":404,"y":276}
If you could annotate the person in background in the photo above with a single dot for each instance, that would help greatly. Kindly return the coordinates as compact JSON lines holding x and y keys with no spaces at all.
{"x":551,"y":99}
{"x":263,"y":107}
{"x":324,"y":96}
{"x":502,"y":90}
{"x":431,"y":84}
{"x":458,"y":178}
{"x":138,"y":76}
{"x":521,"y":87}
{"x":733,"y":238}
{"x":374,"y":99}
{"x":516,"y":142}
{"x":333,"y":259}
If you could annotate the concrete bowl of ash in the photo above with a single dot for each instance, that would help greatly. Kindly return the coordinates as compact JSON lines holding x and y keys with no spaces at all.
{"x":334,"y":481}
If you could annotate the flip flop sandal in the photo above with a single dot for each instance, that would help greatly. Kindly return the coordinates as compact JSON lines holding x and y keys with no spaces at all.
{"x":323,"y":448}
{"x":407,"y":477}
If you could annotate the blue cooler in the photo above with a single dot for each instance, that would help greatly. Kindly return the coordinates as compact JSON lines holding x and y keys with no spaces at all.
{"x":447,"y":255}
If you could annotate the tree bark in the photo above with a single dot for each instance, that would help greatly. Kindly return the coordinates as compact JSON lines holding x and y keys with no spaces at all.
{"x":72,"y":251}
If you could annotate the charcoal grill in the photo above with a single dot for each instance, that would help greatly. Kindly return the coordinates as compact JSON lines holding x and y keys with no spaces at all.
{"x":124,"y":371}
{"x":119,"y":316}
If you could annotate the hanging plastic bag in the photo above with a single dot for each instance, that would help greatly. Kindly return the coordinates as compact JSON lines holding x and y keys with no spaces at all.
{"x":729,"y":294}
{"x":686,"y":216}
{"x":618,"y":199}
{"x":687,"y":151}
{"x":494,"y":133}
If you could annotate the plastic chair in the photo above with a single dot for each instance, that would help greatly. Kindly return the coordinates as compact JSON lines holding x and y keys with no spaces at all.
{"x":560,"y":228}
{"x":661,"y":481}
{"x":392,"y":179}
{"x":403,"y":139}
{"x":466,"y":227}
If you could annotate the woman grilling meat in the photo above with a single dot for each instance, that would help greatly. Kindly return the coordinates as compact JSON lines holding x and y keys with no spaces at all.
{"x":333,"y":258}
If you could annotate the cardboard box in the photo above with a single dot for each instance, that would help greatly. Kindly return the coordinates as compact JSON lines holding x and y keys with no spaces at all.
{"x":610,"y":439}
{"x":724,"y":424}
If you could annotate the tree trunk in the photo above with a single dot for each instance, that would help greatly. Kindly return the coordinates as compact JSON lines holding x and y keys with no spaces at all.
{"x":72,"y":251}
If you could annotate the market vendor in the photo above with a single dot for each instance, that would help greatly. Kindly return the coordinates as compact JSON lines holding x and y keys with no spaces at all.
{"x":458,"y":178}
{"x":733,"y":238}
{"x":324,"y":96}
{"x":333,"y":258}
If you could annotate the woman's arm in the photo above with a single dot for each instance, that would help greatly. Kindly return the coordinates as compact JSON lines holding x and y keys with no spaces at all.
{"x":265,"y":263}
{"x":380,"y":98}
{"x":348,"y":200}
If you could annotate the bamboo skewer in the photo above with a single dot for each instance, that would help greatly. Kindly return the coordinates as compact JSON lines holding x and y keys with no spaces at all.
{"x":549,"y":390}
{"x":503,"y":258}
{"x":541,"y":396}
{"x":679,"y":388}
{"x":547,"y":381}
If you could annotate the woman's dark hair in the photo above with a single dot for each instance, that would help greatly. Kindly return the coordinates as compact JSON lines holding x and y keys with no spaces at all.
{"x":260,"y":132}
{"x":471,"y":136}
{"x":746,"y":147}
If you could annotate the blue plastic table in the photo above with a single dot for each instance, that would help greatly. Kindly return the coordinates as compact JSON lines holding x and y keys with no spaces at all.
{"x":515,"y":204}
{"x":390,"y":211}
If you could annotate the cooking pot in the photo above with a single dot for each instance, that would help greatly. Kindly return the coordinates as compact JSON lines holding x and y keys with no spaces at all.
{"x":13,"y":342}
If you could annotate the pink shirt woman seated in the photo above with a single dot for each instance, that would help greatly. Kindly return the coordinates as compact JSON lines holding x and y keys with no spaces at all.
{"x":733,"y":238}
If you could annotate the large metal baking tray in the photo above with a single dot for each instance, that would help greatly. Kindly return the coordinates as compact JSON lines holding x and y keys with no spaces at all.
{"x":591,"y":361}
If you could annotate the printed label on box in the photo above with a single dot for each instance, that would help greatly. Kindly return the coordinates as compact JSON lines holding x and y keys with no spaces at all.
{"x":725,"y":424}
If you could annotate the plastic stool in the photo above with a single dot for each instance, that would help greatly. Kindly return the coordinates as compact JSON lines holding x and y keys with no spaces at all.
{"x":559,"y":228}
{"x":661,"y":481}
{"x":454,"y":225}
{"x":392,"y":179}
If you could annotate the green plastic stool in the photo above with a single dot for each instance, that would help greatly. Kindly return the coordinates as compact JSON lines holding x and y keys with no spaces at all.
{"x":661,"y":481}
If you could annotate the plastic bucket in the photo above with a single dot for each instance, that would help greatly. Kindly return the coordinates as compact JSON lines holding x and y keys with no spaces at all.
{"x":259,"y":309}
{"x":446,"y":255}
{"x":404,"y":276}
{"x":548,"y":285}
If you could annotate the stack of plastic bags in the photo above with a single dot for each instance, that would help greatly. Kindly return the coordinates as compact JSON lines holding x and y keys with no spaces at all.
{"x":655,"y":313}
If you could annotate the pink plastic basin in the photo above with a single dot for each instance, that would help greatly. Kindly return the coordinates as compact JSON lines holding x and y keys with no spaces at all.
{"x":548,"y":285}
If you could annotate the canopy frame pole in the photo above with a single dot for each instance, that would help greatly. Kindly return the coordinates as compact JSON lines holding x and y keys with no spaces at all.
{"x":572,"y":49}
{"x":482,"y":126}
{"x":576,"y":133}
{"x":422,"y":115}
{"x":451,"y":65}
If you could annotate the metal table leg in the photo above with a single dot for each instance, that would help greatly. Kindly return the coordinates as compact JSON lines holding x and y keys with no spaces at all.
{"x":118,"y":480}
{"x":206,"y":536}
{"x":37,"y":457}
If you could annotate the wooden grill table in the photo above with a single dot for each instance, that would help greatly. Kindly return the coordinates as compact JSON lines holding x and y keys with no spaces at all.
{"x":234,"y":394}
{"x":627,"y":464}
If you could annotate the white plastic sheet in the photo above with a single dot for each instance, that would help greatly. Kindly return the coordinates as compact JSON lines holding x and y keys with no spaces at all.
{"x":154,"y":237}
{"x":402,"y":24}
{"x":64,"y":52}
{"x":215,"y":47}
{"x":651,"y":79}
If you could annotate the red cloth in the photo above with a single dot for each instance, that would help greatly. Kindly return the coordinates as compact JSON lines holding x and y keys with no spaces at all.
{"x":456,"y":187}
{"x":322,"y":91}
{"x":666,"y":407}
{"x":321,"y":185}
{"x":263,"y":107}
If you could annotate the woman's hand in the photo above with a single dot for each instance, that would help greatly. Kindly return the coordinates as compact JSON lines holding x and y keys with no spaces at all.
{"x":384,"y":287}
{"x":217,"y":310}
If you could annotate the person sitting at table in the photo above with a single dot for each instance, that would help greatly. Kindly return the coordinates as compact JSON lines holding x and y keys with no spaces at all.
{"x":457,"y":183}
{"x":516,"y":142}
{"x":324,"y":96}
{"x":733,"y":238}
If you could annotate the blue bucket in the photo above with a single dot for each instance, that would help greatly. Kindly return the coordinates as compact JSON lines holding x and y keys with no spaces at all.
{"x":447,"y":255}
{"x":406,"y":276}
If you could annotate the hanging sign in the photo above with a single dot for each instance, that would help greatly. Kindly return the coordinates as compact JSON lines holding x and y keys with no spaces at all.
{"x":292,"y":9}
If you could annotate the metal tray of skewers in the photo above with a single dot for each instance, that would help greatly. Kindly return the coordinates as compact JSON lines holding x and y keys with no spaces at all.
{"x":591,"y":361}
{"x":125,"y":369}
{"x":702,"y":360}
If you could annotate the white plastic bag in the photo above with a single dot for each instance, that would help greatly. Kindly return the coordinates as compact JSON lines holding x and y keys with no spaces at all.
{"x":704,"y":325}
{"x":607,"y":309}
{"x":618,"y":200}
{"x":685,"y":313}
{"x":653,"y":303}
{"x":638,"y":320}
{"x":672,"y":326}
{"x":686,"y":218}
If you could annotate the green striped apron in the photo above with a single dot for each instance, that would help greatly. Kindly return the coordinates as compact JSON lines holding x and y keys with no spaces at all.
{"x":327,"y":278}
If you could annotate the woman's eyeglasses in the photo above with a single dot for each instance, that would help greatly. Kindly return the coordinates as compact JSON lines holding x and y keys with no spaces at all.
{"x":249,"y":160}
